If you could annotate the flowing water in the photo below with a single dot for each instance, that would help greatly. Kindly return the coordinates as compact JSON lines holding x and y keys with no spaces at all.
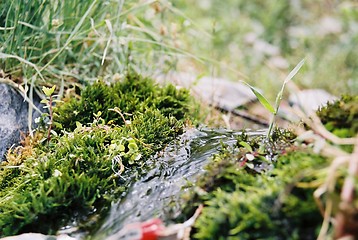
{"x":158,"y":192}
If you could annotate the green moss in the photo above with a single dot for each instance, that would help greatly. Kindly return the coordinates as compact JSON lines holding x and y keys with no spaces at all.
{"x":89,"y":164}
{"x":243,"y":200}
{"x":341,"y":117}
{"x":243,"y":203}
{"x":134,"y":94}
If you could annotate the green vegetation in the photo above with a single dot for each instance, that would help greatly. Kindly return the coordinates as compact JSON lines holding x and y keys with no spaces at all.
{"x":94,"y":145}
{"x":260,"y":189}
{"x":341,"y":117}
{"x":74,"y":42}
{"x":257,"y":198}
{"x":274,"y":109}
{"x":258,"y":41}
{"x":145,"y":94}
{"x":49,"y":102}
{"x":77,"y":172}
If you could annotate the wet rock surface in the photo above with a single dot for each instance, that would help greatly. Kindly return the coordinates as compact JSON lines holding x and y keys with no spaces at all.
{"x":13,"y":117}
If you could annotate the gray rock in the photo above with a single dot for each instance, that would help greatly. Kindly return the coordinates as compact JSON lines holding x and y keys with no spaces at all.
{"x":310,"y":100}
{"x":13,"y":117}
{"x":218,"y":92}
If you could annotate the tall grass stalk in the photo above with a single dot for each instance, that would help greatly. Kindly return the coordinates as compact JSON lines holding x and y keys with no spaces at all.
{"x":273,"y":109}
{"x":82,"y":40}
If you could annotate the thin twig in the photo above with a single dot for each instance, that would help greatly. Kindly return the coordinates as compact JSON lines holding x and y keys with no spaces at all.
{"x":316,"y":125}
{"x":245,"y":115}
{"x":343,"y":217}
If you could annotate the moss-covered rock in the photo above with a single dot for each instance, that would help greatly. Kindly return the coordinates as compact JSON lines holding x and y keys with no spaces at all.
{"x":94,"y":157}
{"x":248,"y":202}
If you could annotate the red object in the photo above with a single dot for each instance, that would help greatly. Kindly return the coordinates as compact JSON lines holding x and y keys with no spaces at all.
{"x":151,"y":229}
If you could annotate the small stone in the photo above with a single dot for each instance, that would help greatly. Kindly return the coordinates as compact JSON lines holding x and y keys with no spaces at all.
{"x":218,"y":92}
{"x":310,"y":100}
{"x":13,"y":117}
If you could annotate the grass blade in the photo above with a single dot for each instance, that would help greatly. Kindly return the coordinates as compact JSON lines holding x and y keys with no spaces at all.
{"x":294,"y":71}
{"x":110,"y":29}
{"x":246,"y":145}
{"x":261,"y":98}
{"x":72,"y":35}
{"x":288,"y":78}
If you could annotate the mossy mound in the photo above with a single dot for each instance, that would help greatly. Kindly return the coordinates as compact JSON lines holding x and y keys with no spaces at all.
{"x":341,"y":116}
{"x":242,"y":202}
{"x":85,"y":166}
{"x":134,"y":94}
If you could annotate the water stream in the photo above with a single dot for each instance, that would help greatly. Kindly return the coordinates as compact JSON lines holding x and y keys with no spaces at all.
{"x":158,"y":191}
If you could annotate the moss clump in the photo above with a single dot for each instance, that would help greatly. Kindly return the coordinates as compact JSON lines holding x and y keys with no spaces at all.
{"x":242,"y":203}
{"x":134,"y":94}
{"x":341,"y":117}
{"x":90,"y":163}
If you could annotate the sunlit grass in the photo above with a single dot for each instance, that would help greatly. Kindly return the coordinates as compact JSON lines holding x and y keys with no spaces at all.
{"x":264,"y":39}
{"x":80,"y":41}
{"x":255,"y":41}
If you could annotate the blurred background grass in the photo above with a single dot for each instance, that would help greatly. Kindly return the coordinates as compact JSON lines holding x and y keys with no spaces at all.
{"x":264,"y":39}
{"x":258,"y":41}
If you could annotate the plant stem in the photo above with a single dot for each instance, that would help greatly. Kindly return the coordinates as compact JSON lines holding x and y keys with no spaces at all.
{"x":51,"y":119}
{"x":272,"y":121}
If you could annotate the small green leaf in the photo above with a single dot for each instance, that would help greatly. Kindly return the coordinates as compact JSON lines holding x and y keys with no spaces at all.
{"x":132,"y":146}
{"x":44,"y":101}
{"x":121,"y":147}
{"x":261,"y":149}
{"x":134,"y":158}
{"x":262,"y":99}
{"x":48,"y":91}
{"x":262,"y":158}
{"x":246,"y":145}
{"x":78,"y":124}
{"x":98,"y":114}
{"x":57,"y":124}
